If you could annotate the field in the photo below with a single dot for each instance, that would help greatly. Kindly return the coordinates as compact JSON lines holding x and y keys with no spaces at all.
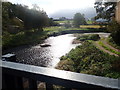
{"x":61,"y":28}
{"x":65,"y":21}
{"x":91,"y":26}
{"x":71,"y":21}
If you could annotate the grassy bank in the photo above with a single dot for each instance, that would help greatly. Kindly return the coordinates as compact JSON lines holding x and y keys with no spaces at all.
{"x":56,"y":29}
{"x":22,"y":38}
{"x":107,"y":48}
{"x":90,"y":60}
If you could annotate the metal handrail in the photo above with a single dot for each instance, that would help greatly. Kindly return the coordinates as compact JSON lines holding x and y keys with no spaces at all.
{"x":58,"y":77}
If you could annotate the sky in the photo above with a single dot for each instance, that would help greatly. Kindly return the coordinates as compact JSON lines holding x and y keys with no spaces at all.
{"x":52,"y":6}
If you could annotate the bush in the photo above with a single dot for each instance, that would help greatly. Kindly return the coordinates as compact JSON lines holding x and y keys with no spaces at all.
{"x":86,"y":58}
{"x":94,"y":37}
{"x":114,"y":28}
{"x":116,"y":65}
{"x":113,"y":43}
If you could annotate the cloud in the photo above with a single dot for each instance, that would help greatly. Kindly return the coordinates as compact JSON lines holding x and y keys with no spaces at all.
{"x":51,"y":6}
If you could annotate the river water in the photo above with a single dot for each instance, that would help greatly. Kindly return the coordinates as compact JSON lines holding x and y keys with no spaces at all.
{"x":45,"y":56}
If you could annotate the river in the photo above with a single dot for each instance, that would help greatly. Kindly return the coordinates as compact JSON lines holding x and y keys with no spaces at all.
{"x":45,"y":56}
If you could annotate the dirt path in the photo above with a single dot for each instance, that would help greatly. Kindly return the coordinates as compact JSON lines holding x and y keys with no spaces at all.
{"x":106,"y":44}
{"x":101,"y":48}
{"x":104,"y":41}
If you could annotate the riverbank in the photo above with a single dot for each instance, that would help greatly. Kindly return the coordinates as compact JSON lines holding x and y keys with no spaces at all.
{"x":37,"y":36}
{"x":88,"y":59}
{"x":23,"y":38}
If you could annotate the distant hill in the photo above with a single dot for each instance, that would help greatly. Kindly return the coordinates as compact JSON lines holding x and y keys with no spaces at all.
{"x":88,"y":12}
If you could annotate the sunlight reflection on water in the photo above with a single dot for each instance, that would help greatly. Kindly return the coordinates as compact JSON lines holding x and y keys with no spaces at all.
{"x":60,"y":45}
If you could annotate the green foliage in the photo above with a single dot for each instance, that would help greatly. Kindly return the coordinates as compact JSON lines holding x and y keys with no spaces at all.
{"x":67,"y":24}
{"x":22,"y":25}
{"x":105,"y":10}
{"x":32,"y":18}
{"x":67,"y":65}
{"x":112,"y":42}
{"x":65,"y":21}
{"x":57,"y":29}
{"x":21,"y":16}
{"x":89,"y":22}
{"x":78,"y":20}
{"x":53,"y":23}
{"x":22,"y":38}
{"x":94,"y":37}
{"x":107,"y":48}
{"x":116,"y":65}
{"x":90,"y":60}
{"x":114,"y":28}
{"x":5,"y":15}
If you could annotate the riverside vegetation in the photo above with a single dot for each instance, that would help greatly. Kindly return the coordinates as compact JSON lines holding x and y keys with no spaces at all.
{"x":88,"y":59}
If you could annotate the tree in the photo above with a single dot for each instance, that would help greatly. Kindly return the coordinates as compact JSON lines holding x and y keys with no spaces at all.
{"x":105,"y":10}
{"x":32,"y":18}
{"x":79,"y":19}
{"x":52,"y":22}
{"x":114,"y":28}
{"x":62,"y":18}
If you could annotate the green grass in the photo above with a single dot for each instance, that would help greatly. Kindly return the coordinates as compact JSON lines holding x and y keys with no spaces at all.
{"x":71,"y":21}
{"x":107,"y":48}
{"x":89,"y":22}
{"x":65,"y":21}
{"x":62,"y":28}
{"x":93,"y":37}
{"x":56,"y":29}
{"x":91,"y":26}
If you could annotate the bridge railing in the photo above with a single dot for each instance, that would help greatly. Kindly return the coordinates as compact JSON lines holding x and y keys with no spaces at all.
{"x":13,"y":74}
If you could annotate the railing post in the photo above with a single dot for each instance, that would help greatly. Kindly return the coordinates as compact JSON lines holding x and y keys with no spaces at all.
{"x":3,"y":82}
{"x":49,"y":86}
{"x":32,"y":84}
{"x":8,"y":81}
{"x":19,"y":83}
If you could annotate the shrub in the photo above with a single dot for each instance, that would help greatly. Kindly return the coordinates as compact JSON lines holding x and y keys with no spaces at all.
{"x":116,"y":65}
{"x":114,"y":28}
{"x":94,"y":37}
{"x":86,"y":58}
{"x":113,"y":43}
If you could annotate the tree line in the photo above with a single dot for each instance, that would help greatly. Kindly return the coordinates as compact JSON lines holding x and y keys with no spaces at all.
{"x":106,"y":10}
{"x":21,"y":16}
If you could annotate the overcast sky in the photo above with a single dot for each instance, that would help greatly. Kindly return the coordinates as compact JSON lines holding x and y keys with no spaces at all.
{"x":52,"y":6}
